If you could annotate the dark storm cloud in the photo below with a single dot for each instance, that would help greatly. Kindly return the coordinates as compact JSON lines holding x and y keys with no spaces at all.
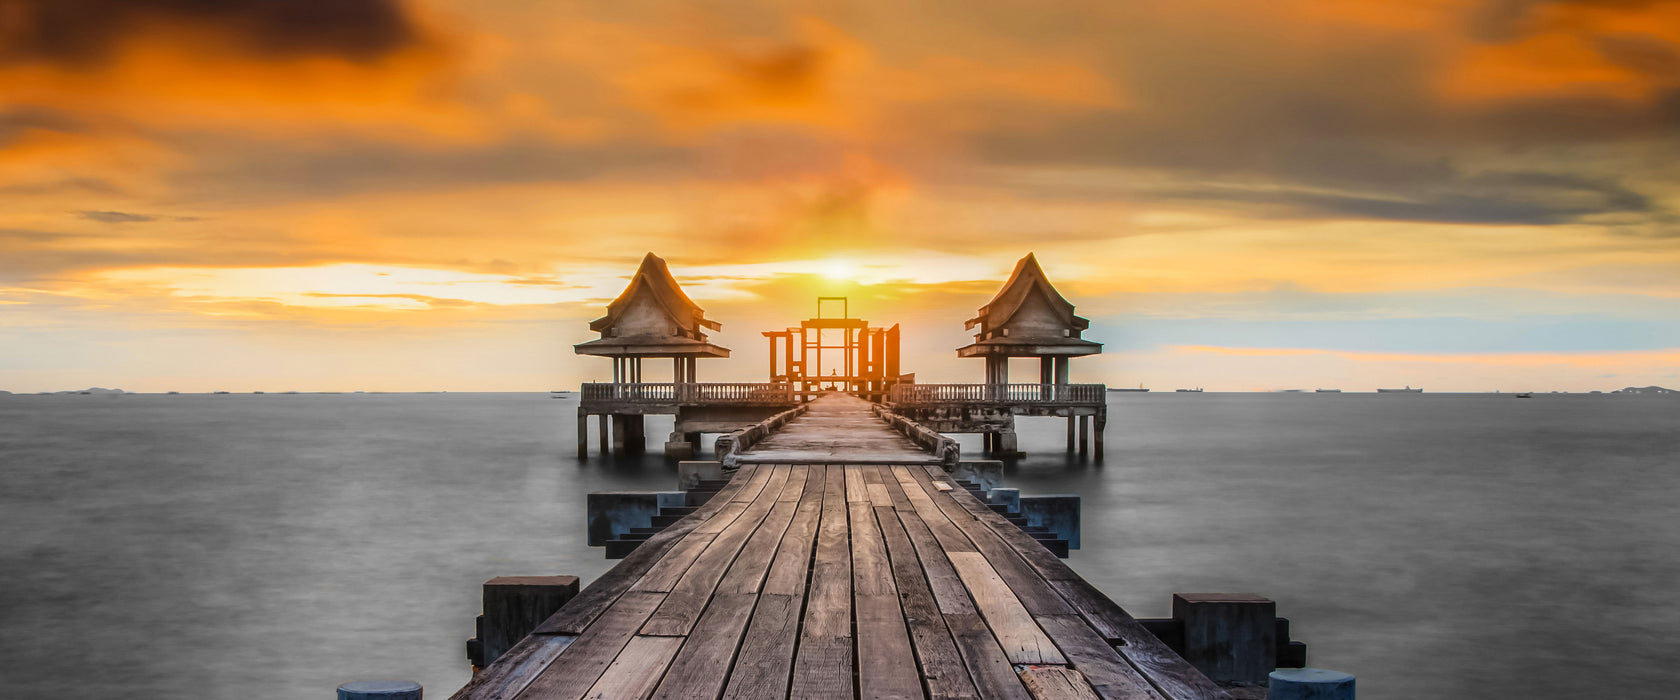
{"x":84,"y":31}
{"x":115,"y":217}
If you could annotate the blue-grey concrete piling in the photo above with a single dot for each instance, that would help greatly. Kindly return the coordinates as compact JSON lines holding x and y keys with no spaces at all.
{"x":1008,"y":498}
{"x":988,"y":473}
{"x":1309,"y":684}
{"x":380,"y":690}
{"x":1059,"y":514}
{"x":611,"y":514}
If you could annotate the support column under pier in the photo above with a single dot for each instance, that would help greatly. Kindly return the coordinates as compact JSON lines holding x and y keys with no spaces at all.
{"x":629,"y":435}
{"x":604,"y":437}
{"x":1006,"y":444}
{"x":1071,"y":418}
{"x":583,"y":434}
{"x":1101,"y":420}
{"x":1084,"y":434}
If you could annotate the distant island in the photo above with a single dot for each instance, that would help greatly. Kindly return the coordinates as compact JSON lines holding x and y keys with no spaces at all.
{"x":1646,"y":390}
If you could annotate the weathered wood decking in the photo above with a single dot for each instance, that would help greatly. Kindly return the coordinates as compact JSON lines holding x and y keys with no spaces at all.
{"x":841,"y":581}
{"x":837,"y":429}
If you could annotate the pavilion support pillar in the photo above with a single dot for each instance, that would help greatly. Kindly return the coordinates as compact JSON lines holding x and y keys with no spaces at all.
{"x":1070,"y":420}
{"x":1101,"y":420}
{"x":583,"y":433}
{"x":605,"y":437}
{"x":1084,"y":434}
{"x":1006,"y":444}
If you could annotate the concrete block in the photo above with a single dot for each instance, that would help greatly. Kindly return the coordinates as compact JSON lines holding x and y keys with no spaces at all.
{"x":380,"y":690}
{"x":1228,"y":636}
{"x":1008,"y":498}
{"x":1058,"y":514}
{"x":515,"y":605}
{"x":988,"y":473}
{"x":613,"y":513}
{"x":1309,"y":684}
{"x":679,"y":449}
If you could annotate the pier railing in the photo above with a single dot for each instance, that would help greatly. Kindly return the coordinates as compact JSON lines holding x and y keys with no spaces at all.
{"x":1067,"y":394}
{"x":743,"y":393}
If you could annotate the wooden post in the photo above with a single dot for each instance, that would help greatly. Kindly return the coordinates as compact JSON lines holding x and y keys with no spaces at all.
{"x":515,"y":605}
{"x":380,"y":690}
{"x":1228,"y":636}
{"x":1309,"y":684}
{"x":1084,"y":434}
{"x":583,"y":434}
{"x":1070,"y":420}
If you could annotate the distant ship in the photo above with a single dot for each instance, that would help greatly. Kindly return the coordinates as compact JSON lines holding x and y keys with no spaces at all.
{"x":1196,"y":390}
{"x":1407,"y":390}
{"x":1525,"y":395}
{"x":1327,"y":391}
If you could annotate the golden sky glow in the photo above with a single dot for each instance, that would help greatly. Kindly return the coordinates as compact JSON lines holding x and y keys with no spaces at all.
{"x":425,"y":194}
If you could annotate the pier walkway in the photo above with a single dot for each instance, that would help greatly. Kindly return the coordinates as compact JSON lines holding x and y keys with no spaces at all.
{"x":837,"y":429}
{"x":841,"y":581}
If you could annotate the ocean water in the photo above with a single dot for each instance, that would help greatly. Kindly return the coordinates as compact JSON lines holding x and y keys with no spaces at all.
{"x":273,"y":546}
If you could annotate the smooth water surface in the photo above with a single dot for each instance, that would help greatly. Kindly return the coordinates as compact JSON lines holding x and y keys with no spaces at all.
{"x":274,"y":546}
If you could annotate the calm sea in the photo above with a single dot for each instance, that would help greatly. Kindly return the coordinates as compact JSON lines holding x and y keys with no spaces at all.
{"x":273,"y":546}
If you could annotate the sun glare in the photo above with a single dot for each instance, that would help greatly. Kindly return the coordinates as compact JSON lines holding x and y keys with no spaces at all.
{"x":839,"y":269}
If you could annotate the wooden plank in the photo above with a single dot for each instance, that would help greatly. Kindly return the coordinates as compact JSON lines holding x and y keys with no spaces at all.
{"x":855,"y":490}
{"x":1048,"y":565}
{"x":937,"y":659}
{"x":1031,"y":588}
{"x":942,"y":486}
{"x":702,"y":667}
{"x":993,"y":675}
{"x":886,"y":663}
{"x":595,"y":598}
{"x":581,"y":664}
{"x":683,"y":606}
{"x":515,"y":669}
{"x":1035,"y":593}
{"x":895,"y":490}
{"x":1056,"y":683}
{"x":948,"y":590}
{"x":793,"y":555}
{"x":1022,"y":641}
{"x":665,"y":574}
{"x":1171,"y":675}
{"x":950,"y":538}
{"x":765,"y":661}
{"x":633,"y":674}
{"x":823,"y":662}
{"x":792,"y":493}
{"x":1109,"y":675}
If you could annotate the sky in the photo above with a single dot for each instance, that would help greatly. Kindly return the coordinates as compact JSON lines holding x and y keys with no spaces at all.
{"x":336,"y":195}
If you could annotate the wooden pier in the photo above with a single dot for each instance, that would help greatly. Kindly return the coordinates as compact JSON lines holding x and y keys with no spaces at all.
{"x":839,"y":562}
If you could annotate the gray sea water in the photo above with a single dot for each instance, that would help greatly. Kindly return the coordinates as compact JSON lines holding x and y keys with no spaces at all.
{"x":274,"y":546}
